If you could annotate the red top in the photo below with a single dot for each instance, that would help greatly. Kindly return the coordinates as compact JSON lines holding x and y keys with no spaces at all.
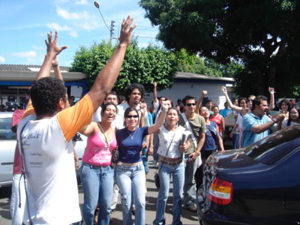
{"x":217,"y":120}
{"x":17,"y":167}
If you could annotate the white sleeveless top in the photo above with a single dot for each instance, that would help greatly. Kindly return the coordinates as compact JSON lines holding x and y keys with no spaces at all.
{"x":165,"y":138}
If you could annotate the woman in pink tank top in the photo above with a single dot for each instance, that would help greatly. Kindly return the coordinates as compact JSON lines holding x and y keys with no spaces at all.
{"x":97,"y":172}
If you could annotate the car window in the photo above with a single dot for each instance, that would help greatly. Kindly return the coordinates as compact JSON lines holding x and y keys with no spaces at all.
{"x":5,"y":131}
{"x":276,"y":146}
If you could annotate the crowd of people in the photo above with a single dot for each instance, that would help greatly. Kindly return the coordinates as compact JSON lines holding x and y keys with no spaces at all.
{"x":181,"y":138}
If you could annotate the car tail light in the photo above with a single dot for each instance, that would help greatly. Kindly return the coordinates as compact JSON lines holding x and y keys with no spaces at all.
{"x":220,"y":192}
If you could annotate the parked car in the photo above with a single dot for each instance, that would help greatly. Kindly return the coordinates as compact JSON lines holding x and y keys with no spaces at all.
{"x":7,"y":149}
{"x":8,"y":144}
{"x":259,"y":184}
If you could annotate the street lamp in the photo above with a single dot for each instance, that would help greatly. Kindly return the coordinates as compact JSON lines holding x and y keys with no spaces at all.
{"x":97,"y":5}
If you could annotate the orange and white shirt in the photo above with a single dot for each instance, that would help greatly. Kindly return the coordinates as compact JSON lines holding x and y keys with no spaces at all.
{"x":49,"y":163}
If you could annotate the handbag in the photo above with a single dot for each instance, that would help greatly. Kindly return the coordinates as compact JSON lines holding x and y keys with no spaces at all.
{"x":156,"y":175}
{"x":115,"y":154}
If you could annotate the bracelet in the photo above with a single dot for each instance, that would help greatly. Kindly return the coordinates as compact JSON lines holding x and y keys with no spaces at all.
{"x":165,"y":111}
{"x":55,"y":66}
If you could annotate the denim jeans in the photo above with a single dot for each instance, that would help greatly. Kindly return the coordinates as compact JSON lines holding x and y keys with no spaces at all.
{"x":155,"y":147}
{"x":144,"y":157}
{"x":131,"y":180}
{"x":189,"y":182}
{"x":97,"y":184}
{"x":178,"y":181}
{"x":235,"y":141}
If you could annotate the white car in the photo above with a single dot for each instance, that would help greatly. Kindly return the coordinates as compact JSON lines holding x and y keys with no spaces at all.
{"x":7,"y":149}
{"x":8,"y":144}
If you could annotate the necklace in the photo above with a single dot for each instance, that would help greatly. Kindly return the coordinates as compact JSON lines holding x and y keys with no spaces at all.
{"x":131,"y":136}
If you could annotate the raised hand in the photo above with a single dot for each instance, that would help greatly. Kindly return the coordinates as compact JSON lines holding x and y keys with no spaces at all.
{"x":143,"y":108}
{"x":126,"y":30}
{"x":204,"y":92}
{"x":223,"y":89}
{"x":271,"y":90}
{"x":52,"y":45}
{"x":166,"y":105}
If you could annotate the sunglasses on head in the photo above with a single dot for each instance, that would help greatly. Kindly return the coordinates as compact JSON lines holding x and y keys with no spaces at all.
{"x":190,"y":104}
{"x":132,"y":116}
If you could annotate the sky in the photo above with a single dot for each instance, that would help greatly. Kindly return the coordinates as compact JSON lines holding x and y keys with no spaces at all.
{"x":24,"y":26}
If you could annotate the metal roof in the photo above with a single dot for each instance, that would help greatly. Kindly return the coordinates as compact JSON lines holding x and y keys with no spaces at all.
{"x":185,"y":75}
{"x":10,"y":72}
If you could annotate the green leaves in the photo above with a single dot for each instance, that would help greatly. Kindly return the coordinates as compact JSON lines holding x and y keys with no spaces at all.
{"x":141,"y":65}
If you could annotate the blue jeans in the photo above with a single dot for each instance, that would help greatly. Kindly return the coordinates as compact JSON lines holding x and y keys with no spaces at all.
{"x":131,"y":180}
{"x":144,"y":157}
{"x":97,"y":184}
{"x":189,"y":182}
{"x":155,"y":146}
{"x":235,"y":141}
{"x":178,"y":181}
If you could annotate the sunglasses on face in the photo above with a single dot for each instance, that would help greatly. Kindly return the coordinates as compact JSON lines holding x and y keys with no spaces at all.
{"x":132,"y":116}
{"x":190,"y":104}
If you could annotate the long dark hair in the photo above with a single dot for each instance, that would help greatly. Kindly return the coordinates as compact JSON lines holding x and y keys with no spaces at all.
{"x":290,"y":119}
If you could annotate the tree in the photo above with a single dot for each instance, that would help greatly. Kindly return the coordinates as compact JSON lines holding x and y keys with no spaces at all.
{"x":141,"y":65}
{"x":261,"y":34}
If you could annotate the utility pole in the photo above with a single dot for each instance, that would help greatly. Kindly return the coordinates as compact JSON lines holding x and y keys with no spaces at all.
{"x":112,"y":25}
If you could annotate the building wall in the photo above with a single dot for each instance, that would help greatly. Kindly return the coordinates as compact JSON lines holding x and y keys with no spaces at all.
{"x":180,"y":90}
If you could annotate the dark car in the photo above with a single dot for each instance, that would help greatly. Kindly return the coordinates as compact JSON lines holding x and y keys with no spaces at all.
{"x":259,"y":184}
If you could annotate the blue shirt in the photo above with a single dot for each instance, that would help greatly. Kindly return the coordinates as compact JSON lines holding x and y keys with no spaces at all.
{"x":249,"y":121}
{"x":210,"y":142}
{"x":225,"y":112}
{"x":130,"y":144}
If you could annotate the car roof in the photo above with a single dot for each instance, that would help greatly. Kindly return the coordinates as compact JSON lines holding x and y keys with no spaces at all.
{"x":6,"y":114}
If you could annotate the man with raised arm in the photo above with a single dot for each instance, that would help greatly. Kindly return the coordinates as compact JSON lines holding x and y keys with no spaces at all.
{"x":45,"y":134}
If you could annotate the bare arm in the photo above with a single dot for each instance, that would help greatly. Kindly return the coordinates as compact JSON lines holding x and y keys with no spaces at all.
{"x":155,"y":92}
{"x":257,"y":129}
{"x":199,"y":103}
{"x":88,"y":130}
{"x":220,"y":142}
{"x":223,"y":125}
{"x":272,"y":98}
{"x":108,"y":75}
{"x":160,"y":121}
{"x":56,"y":69}
{"x":232,"y":106}
{"x":201,"y":141}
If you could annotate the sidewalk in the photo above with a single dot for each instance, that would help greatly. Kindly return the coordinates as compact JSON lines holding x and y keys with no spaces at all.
{"x":187,"y":217}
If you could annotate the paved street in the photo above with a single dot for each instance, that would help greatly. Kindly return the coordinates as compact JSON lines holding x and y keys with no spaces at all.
{"x":188,"y":218}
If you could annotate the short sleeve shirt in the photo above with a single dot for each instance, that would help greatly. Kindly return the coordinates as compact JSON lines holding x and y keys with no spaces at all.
{"x":250,"y":120}
{"x":198,"y":126}
{"x":130,"y":144}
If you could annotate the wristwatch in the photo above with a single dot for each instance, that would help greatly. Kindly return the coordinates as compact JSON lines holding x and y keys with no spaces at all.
{"x":274,"y":120}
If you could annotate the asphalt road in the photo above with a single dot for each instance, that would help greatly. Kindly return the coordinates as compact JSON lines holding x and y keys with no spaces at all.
{"x":187,"y":217}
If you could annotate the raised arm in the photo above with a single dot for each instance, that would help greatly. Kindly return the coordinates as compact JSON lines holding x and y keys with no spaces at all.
{"x":108,"y":75}
{"x":232,"y":106}
{"x":52,"y":50}
{"x":160,"y":121}
{"x":155,"y":93}
{"x":199,"y":103}
{"x":272,"y":98}
{"x":56,"y":69}
{"x":89,"y":129}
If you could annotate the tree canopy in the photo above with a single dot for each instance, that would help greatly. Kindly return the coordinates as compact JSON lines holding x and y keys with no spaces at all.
{"x":141,"y":65}
{"x":262,"y":35}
